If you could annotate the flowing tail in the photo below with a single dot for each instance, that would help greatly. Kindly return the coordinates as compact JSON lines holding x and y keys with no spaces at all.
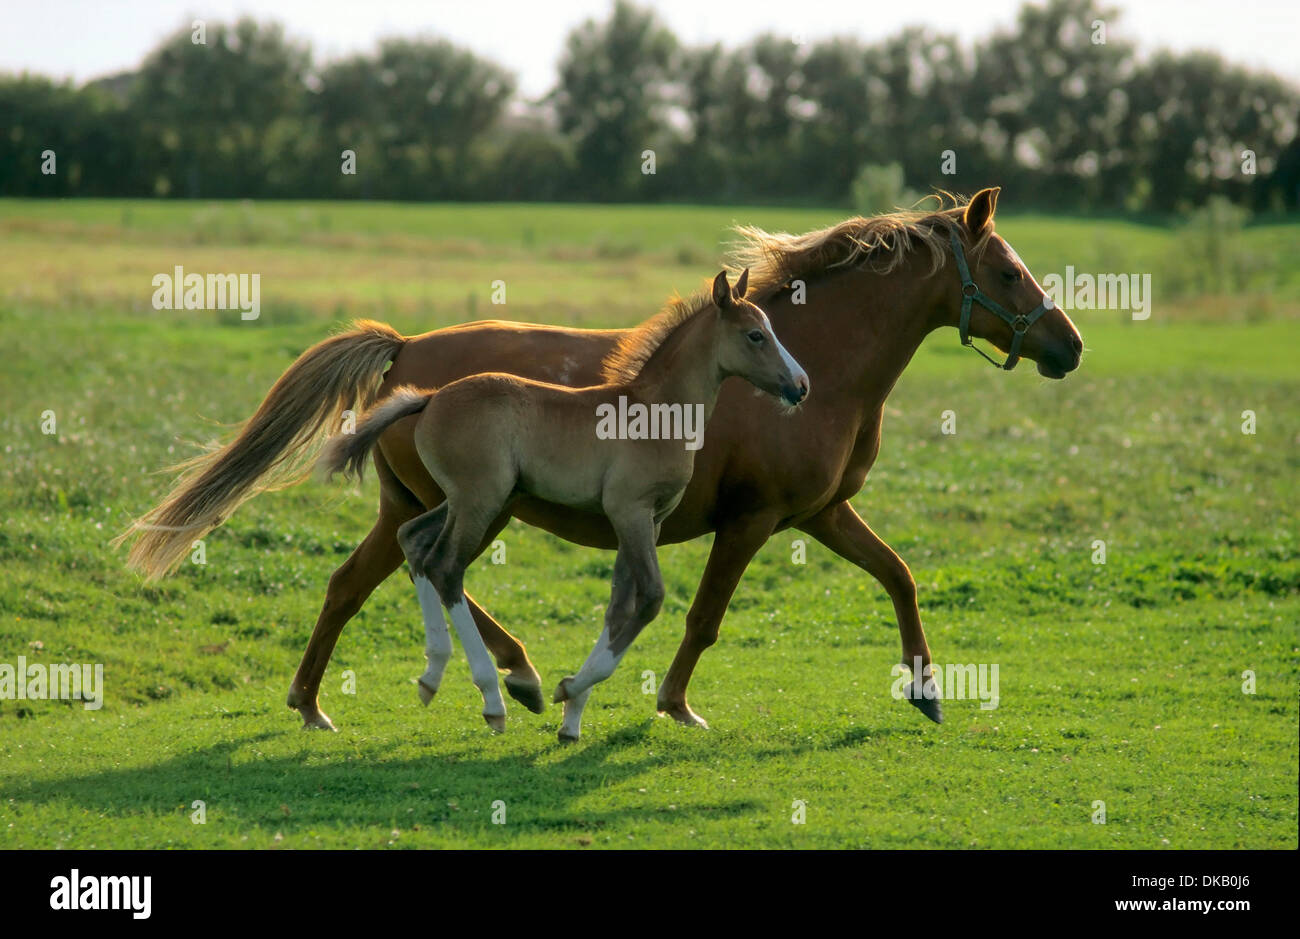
{"x":347,"y":453}
{"x":275,"y":448}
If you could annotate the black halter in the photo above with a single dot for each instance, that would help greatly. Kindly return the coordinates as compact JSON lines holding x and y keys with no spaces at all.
{"x":970,"y":293}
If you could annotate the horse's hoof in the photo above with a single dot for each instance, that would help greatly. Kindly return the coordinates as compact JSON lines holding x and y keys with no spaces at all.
{"x":426,"y":693}
{"x":562,"y":690}
{"x":930,"y":707}
{"x":527,"y":691}
{"x":566,"y":737}
{"x":496,"y":721}
{"x":682,"y":714}
{"x":318,"y":721}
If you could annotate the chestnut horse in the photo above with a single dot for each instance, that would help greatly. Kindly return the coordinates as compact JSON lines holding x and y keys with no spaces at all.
{"x":489,"y":438}
{"x":852,"y":303}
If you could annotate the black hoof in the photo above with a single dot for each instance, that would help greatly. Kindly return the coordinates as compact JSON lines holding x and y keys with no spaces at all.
{"x":527,"y":693}
{"x":930,"y":707}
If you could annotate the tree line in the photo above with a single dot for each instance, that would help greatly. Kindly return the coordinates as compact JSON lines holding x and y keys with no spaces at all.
{"x":1060,"y":108}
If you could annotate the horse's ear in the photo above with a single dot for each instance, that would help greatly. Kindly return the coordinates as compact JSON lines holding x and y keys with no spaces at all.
{"x":742,"y":284}
{"x":721,"y":291}
{"x":979,"y":213}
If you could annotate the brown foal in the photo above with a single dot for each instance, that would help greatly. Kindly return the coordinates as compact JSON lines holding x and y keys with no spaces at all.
{"x":490,"y":438}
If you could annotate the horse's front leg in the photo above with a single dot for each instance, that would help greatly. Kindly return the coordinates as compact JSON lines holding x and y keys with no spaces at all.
{"x":842,"y":530}
{"x":636,"y":595}
{"x":734,"y":546}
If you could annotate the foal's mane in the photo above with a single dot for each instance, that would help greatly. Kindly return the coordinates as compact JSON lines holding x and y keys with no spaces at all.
{"x":629,"y":357}
{"x":774,"y":259}
{"x":881,"y":241}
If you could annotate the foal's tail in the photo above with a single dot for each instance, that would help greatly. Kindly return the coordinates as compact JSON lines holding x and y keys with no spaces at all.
{"x":347,"y":453}
{"x":274,"y":448}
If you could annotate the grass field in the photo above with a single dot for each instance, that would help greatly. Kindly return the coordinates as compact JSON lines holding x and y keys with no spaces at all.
{"x":1120,"y":683}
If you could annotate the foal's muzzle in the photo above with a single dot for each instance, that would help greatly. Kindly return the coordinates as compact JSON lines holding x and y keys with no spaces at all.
{"x":795,"y":393}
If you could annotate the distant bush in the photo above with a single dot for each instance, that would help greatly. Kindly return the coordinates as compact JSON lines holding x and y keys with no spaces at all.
{"x":881,"y":189}
{"x":1210,"y":255}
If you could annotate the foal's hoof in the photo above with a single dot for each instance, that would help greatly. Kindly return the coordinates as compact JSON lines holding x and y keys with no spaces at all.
{"x":496,"y":721}
{"x":566,"y":737}
{"x":562,"y":691}
{"x":426,"y":693}
{"x":930,"y":707}
{"x":527,"y":691}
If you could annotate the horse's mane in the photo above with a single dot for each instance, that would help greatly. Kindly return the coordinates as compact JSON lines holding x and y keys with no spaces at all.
{"x":629,"y":357}
{"x":774,"y":259}
{"x":882,"y":241}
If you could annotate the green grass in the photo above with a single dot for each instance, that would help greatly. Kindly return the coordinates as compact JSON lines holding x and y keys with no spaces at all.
{"x":1120,"y":683}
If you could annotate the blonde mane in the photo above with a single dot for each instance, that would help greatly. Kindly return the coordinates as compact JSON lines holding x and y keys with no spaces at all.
{"x":881,"y":241}
{"x":774,"y":259}
{"x":629,"y":357}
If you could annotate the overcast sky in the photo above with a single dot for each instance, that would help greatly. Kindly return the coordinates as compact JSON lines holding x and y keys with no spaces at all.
{"x":85,"y":39}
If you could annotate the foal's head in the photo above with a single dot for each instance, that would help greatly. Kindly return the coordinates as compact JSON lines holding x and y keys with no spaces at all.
{"x":747,"y":346}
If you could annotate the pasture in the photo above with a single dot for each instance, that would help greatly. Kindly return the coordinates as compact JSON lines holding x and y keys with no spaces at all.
{"x":1120,"y":682}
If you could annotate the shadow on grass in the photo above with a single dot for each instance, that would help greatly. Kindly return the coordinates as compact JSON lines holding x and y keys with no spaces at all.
{"x":555,"y":790}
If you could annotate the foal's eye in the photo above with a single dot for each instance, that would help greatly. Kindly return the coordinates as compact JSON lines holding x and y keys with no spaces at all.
{"x":756,"y":336}
{"x":1012,"y":275}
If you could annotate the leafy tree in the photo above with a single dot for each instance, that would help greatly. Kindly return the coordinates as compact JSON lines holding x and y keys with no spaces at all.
{"x":613,"y":97}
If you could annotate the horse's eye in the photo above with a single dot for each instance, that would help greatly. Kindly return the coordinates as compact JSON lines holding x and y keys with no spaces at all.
{"x":756,"y":336}
{"x":1012,"y":275}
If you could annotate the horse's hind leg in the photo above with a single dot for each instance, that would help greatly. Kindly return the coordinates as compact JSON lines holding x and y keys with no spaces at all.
{"x":367,"y":567}
{"x":636,"y":595}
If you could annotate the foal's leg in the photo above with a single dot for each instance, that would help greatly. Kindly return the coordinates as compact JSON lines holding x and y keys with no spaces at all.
{"x":417,"y":538}
{"x":368,"y":566}
{"x":636,"y":595}
{"x":734,"y":546}
{"x":842,"y":530}
{"x":455,"y":548}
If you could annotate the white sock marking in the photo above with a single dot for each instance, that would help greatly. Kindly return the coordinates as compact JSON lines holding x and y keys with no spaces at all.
{"x":481,"y":666}
{"x":437,"y":640}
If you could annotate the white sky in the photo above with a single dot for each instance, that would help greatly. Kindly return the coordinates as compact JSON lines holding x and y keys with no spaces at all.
{"x":85,"y":39}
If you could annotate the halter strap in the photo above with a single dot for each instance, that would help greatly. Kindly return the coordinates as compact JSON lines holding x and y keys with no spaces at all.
{"x":970,"y":294}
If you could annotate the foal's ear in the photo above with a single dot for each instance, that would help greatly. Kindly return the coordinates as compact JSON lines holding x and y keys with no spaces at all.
{"x":979,"y":213}
{"x":721,"y":291}
{"x":742,"y":284}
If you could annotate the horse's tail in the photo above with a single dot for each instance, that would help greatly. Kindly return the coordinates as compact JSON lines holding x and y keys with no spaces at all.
{"x":347,"y":453}
{"x":274,"y":448}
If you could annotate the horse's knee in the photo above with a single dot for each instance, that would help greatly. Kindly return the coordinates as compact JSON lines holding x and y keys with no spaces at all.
{"x":342,"y":596}
{"x":898,"y":581}
{"x":702,"y":629}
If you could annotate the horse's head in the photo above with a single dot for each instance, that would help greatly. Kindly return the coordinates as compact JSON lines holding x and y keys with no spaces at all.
{"x":1021,"y":319}
{"x":747,"y":346}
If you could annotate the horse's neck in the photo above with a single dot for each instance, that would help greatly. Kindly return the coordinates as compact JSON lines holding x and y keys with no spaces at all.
{"x":684,"y":369}
{"x":862,"y":329}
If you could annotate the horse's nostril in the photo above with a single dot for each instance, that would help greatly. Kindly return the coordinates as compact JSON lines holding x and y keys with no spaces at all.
{"x":1076,"y":343}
